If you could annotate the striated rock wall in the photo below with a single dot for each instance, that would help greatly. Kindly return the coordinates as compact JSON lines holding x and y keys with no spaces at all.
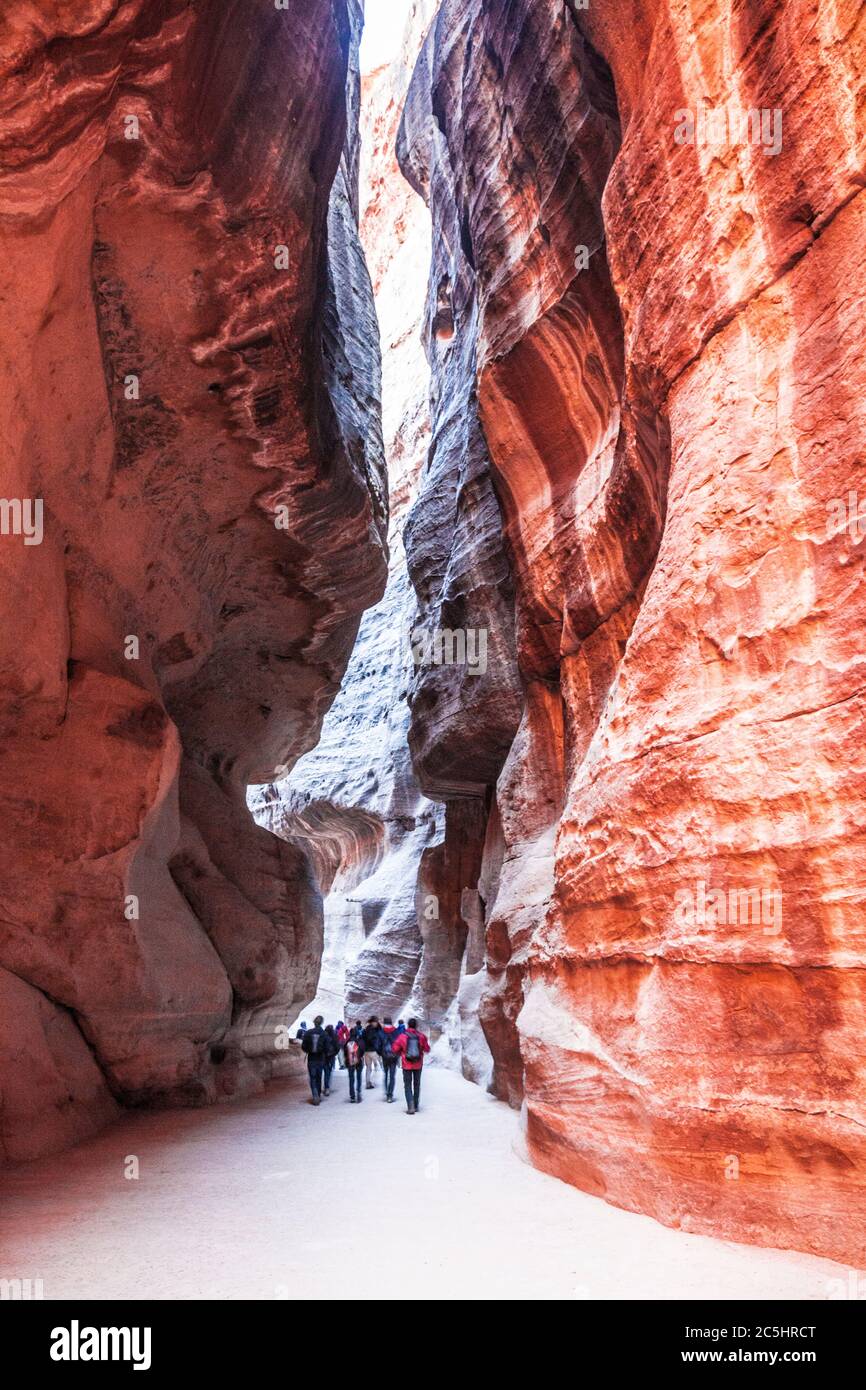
{"x":396,"y":857}
{"x":394,"y":936}
{"x":610,"y":804}
{"x":647,"y":434}
{"x":191,"y":391}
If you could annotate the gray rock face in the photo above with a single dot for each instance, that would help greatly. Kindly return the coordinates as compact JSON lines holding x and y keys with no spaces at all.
{"x":464,"y":713}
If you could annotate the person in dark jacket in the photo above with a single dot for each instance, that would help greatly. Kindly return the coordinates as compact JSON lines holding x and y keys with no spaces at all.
{"x":353,"y":1054}
{"x":299,"y":1036}
{"x":411,"y":1046}
{"x":372,"y":1048}
{"x":332,"y":1048}
{"x":313,"y":1045}
{"x":389,"y":1058}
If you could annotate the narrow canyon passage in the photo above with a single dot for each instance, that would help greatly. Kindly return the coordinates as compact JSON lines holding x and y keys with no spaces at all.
{"x":266,"y":1214}
{"x":447,"y":600}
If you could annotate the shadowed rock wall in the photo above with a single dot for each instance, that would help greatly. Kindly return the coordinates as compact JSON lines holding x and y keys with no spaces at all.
{"x":191,"y":389}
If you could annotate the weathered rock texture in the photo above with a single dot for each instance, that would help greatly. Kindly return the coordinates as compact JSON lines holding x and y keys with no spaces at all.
{"x":393,"y":865}
{"x":199,"y":412}
{"x":660,"y":428}
{"x":639,"y":820}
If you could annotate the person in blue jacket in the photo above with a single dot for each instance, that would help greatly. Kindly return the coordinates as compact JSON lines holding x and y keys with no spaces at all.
{"x":389,"y":1057}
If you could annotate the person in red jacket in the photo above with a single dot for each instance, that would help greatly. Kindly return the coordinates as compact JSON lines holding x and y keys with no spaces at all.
{"x":411,"y":1046}
{"x":342,"y":1038}
{"x":353,"y":1051}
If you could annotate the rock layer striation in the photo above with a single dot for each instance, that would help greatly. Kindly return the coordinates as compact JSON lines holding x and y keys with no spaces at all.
{"x":191,"y":394}
{"x":395,"y":937}
{"x":647,"y":426}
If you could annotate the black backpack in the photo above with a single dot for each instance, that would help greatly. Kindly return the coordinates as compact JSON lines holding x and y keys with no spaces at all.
{"x":387,"y":1046}
{"x":413,"y":1048}
{"x":317,"y":1042}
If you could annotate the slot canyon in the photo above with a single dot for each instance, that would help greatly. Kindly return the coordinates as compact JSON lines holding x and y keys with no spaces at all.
{"x":447,"y":588}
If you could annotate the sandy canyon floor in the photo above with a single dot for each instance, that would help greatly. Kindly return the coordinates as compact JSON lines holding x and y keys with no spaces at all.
{"x":272,"y":1198}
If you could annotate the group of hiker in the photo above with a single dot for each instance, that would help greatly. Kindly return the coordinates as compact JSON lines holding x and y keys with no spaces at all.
{"x":363,"y":1050}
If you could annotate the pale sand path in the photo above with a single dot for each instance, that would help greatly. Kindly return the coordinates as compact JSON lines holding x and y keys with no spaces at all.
{"x":273,"y":1198}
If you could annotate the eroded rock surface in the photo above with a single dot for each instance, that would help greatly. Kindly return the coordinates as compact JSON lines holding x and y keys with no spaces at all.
{"x":646,"y":360}
{"x":635,"y":812}
{"x":191,"y":387}
{"x":399,"y":866}
{"x":394,"y":934}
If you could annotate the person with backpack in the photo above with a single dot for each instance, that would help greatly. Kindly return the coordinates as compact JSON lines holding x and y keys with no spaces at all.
{"x":332,"y":1049}
{"x":411,"y":1046}
{"x":342,"y":1034}
{"x":313,"y":1045}
{"x":389,"y":1058}
{"x":299,"y":1036}
{"x":372,"y":1048}
{"x":353,"y":1052}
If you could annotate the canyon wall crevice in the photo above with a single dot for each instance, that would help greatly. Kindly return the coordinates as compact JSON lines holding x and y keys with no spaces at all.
{"x":398,"y":866}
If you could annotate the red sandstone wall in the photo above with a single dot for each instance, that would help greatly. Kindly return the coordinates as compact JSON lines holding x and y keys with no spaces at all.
{"x":672,"y":429}
{"x":171,"y":392}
